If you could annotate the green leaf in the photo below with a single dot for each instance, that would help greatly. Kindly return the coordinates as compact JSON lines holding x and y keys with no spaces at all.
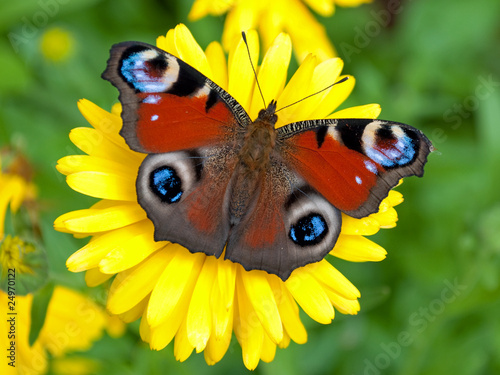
{"x":39,"y":308}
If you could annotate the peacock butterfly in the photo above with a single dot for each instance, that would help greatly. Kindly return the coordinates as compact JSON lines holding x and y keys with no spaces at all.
{"x":214,"y":179}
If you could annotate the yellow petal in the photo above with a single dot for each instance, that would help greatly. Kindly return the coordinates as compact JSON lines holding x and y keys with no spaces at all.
{"x":361,"y":111}
{"x":322,"y":7}
{"x":80,"y":163}
{"x":190,"y":51}
{"x":132,"y":286}
{"x":94,"y":277}
{"x":296,"y":89}
{"x":144,"y":330}
{"x":240,"y":74}
{"x":261,"y":297}
{"x":167,"y":43}
{"x":106,"y":123}
{"x":162,"y":334}
{"x":244,"y":17}
{"x":308,"y":35}
{"x":335,"y":96}
{"x":310,"y":295}
{"x":218,"y":343}
{"x":226,"y":276}
{"x":395,"y":197}
{"x":135,"y":312}
{"x":199,"y":315}
{"x":138,"y":245}
{"x":182,"y":346}
{"x":365,"y":226}
{"x":343,"y":305}
{"x":289,"y":313}
{"x":247,"y":327}
{"x":93,"y":221}
{"x":272,"y":73}
{"x":173,"y":282}
{"x":268,"y":349}
{"x":358,"y":249}
{"x":217,"y":61}
{"x":103,"y":185}
{"x":93,"y":143}
{"x":99,"y":246}
{"x":329,"y":276}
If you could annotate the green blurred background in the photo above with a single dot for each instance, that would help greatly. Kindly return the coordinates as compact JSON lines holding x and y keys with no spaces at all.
{"x":432,"y":307}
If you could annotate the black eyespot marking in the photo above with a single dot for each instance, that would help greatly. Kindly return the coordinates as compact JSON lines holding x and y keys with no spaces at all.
{"x":158,"y":65}
{"x":166,"y":184}
{"x":309,"y":230}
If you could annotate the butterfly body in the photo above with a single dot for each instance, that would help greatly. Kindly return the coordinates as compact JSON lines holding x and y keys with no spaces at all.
{"x":217,"y":182}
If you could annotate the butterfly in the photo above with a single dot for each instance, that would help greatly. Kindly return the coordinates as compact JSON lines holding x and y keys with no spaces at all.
{"x":218,"y":182}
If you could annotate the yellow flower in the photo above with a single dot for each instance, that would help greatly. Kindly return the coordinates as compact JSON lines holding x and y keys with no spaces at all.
{"x":14,"y":189}
{"x":273,"y":17}
{"x":72,"y":322}
{"x":197,"y":299}
{"x":56,"y":44}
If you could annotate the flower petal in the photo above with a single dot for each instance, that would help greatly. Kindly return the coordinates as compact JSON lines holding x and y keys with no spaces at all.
{"x":335,"y":96}
{"x":247,"y":327}
{"x":131,"y":286}
{"x":240,"y":75}
{"x":361,"y":111}
{"x":103,"y":185}
{"x":310,"y":295}
{"x":217,"y":61}
{"x":261,"y":297}
{"x":94,"y":277}
{"x":329,"y":276}
{"x":296,"y":89}
{"x":365,"y":226}
{"x":93,"y":143}
{"x":272,"y":73}
{"x":190,"y":51}
{"x":199,"y":315}
{"x":182,"y":346}
{"x":173,"y":283}
{"x":358,"y":249}
{"x":94,"y":220}
{"x":289,"y":313}
{"x":343,"y":305}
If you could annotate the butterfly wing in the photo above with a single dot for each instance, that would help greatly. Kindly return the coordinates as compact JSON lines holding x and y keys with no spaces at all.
{"x":167,"y":104}
{"x":286,"y":225}
{"x":190,"y":128}
{"x":354,"y":163}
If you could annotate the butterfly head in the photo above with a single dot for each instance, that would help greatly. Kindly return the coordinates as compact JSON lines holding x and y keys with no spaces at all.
{"x":268,"y":115}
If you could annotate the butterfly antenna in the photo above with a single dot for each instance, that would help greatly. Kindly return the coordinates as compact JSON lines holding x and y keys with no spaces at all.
{"x":316,"y":93}
{"x":253,"y":68}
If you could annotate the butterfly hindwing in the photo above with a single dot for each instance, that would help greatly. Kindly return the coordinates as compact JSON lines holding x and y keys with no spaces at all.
{"x":287,"y":224}
{"x":354,"y":163}
{"x":184,"y":194}
{"x":167,"y":104}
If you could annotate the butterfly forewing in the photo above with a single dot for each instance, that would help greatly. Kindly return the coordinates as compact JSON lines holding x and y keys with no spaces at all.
{"x":167,"y":104}
{"x":360,"y":159}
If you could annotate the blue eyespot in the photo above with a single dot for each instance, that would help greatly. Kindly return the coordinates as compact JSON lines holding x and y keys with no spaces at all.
{"x":309,"y":230}
{"x":146,"y":75}
{"x":393,"y":151}
{"x":165,"y":183}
